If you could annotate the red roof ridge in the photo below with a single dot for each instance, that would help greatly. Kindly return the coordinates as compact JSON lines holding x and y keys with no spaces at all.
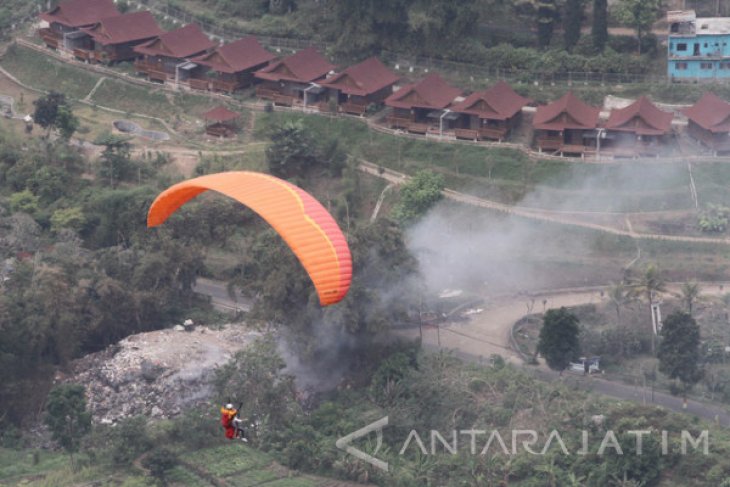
{"x":239,"y":55}
{"x":183,"y":42}
{"x":710,"y":112}
{"x":128,"y":27}
{"x":80,"y":13}
{"x":368,"y":77}
{"x":432,"y":92}
{"x":502,"y":100}
{"x":304,"y":66}
{"x":657,"y":121}
{"x":581,"y":115}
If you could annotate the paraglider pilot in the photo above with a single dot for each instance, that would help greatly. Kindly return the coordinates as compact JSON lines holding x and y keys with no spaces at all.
{"x":232,"y":423}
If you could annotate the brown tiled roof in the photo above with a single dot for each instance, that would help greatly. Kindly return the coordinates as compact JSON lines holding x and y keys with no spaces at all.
{"x":80,"y":13}
{"x":220,"y":114}
{"x":303,"y":67}
{"x":567,"y":112}
{"x":179,"y":43}
{"x":366,"y":78}
{"x":711,"y":113}
{"x":431,"y":92}
{"x":641,"y":117}
{"x":236,"y":56}
{"x":500,"y":102}
{"x":137,"y":26}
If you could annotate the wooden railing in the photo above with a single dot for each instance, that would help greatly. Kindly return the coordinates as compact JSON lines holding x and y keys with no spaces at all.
{"x":468,"y":134}
{"x":492,"y":133}
{"x":224,"y":86}
{"x":418,"y":128}
{"x":354,"y":108}
{"x":283,"y":100}
{"x":266,"y":93}
{"x":219,"y":131}
{"x":51,"y":38}
{"x":399,"y":122}
{"x":199,"y":84}
{"x":84,"y":55}
{"x":549,"y":143}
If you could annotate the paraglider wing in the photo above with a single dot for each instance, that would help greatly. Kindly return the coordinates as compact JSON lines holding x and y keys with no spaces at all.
{"x":303,"y":223}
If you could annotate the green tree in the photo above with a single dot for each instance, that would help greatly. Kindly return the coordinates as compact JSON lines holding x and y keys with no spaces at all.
{"x":67,"y":417}
{"x":546,"y":15}
{"x":599,"y":31}
{"x":679,"y":350}
{"x":648,"y":285}
{"x":639,"y":14}
{"x":417,"y":196}
{"x":116,"y":161}
{"x":72,"y":218}
{"x":52,"y":111}
{"x":129,"y":440}
{"x":573,"y":20}
{"x":690,"y":294}
{"x":292,"y":152}
{"x":620,"y":296}
{"x":159,"y":463}
{"x":558,"y":341}
{"x":24,"y":201}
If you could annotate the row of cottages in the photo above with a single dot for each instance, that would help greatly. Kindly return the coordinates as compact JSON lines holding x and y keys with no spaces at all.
{"x":433,"y":106}
{"x":571,"y":126}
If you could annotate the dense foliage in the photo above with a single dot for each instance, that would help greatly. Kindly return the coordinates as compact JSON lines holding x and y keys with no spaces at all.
{"x":558,"y":341}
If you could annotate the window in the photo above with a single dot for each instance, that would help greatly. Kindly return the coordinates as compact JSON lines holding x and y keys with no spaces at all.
{"x":705,"y":44}
{"x":682,"y":46}
{"x":724,"y":65}
{"x":680,"y":66}
{"x":705,"y":65}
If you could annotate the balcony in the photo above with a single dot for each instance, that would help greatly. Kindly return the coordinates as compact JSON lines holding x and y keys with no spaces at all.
{"x":51,"y":38}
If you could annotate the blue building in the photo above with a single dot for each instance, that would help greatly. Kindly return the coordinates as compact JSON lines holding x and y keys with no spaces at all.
{"x":698,"y":48}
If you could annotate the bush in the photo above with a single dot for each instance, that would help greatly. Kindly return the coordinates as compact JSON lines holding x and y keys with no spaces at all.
{"x":130,"y":440}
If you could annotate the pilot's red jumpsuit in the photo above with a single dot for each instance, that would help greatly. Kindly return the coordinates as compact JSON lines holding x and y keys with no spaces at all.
{"x":227,"y":416}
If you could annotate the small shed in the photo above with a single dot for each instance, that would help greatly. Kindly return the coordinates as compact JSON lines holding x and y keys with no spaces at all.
{"x":221,"y":122}
{"x":418,"y":106}
{"x":638,"y":129}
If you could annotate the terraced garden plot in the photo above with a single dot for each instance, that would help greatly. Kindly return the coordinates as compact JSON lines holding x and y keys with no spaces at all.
{"x":252,"y":478}
{"x":183,"y":476}
{"x":226,"y":460}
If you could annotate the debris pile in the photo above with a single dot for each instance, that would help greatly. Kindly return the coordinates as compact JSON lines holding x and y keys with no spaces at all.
{"x":156,"y":374}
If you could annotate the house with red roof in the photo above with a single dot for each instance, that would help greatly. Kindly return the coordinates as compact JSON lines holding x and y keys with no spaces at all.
{"x":709,"y":122}
{"x":566,"y":126}
{"x":489,"y":114}
{"x":294,"y":79}
{"x":361,"y":85}
{"x":418,"y":106}
{"x":638,"y":129}
{"x":113,"y":39}
{"x":60,"y":25}
{"x":231,"y":66}
{"x":169,"y":56}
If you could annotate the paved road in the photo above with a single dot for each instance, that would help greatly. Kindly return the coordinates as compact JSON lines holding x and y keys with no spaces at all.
{"x":218,"y":293}
{"x":489,"y":332}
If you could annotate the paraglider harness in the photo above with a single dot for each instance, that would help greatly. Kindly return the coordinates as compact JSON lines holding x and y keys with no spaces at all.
{"x":239,"y":425}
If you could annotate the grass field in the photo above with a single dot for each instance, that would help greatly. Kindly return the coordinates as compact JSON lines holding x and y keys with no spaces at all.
{"x":45,"y":73}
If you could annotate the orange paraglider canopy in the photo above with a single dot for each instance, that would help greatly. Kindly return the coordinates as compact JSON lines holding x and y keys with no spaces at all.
{"x":303,"y":223}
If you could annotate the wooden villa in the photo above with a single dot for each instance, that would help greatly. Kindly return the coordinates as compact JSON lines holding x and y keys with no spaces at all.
{"x":168,"y":56}
{"x":221,"y":122}
{"x":709,"y":122}
{"x":113,"y":39}
{"x":636,"y":130}
{"x":419,"y":106}
{"x":294,"y":79}
{"x":231,"y":66}
{"x":60,"y":26}
{"x":358,"y":86}
{"x":566,"y":126}
{"x":489,"y":114}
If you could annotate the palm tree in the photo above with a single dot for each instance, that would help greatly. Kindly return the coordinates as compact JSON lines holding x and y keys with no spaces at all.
{"x":690,"y":294}
{"x":648,"y":285}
